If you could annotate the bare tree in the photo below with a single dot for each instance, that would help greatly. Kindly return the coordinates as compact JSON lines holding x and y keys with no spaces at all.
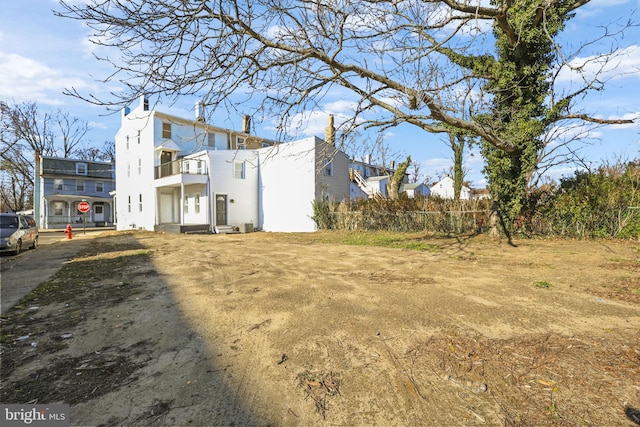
{"x":72,"y":130}
{"x":24,"y":130}
{"x":403,"y":61}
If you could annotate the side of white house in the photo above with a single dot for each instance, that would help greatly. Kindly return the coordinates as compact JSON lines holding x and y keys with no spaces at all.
{"x":444,"y":189}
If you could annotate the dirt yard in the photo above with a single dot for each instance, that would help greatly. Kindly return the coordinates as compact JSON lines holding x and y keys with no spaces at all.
{"x":273,"y":329}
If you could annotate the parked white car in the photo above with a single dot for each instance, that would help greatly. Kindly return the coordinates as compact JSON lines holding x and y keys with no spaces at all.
{"x":16,"y":232}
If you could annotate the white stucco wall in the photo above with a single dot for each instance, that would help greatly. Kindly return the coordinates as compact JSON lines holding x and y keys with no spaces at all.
{"x":242,"y":194}
{"x":288,"y":186}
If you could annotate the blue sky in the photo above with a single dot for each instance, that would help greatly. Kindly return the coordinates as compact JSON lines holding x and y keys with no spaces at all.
{"x":41,"y":55}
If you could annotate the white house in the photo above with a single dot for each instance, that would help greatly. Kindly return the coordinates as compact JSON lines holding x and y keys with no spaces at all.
{"x":415,"y":189}
{"x":444,"y":189}
{"x":181,"y":175}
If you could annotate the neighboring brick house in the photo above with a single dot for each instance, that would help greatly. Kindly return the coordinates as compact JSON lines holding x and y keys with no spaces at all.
{"x":60,"y":184}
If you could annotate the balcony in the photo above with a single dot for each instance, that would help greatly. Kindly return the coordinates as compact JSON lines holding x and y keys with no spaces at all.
{"x":185,"y":171}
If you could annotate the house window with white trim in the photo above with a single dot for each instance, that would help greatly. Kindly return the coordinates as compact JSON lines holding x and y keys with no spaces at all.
{"x":140,"y":202}
{"x":327,"y":170}
{"x":238,"y":170}
{"x":139,"y":166}
{"x":57,"y":184}
{"x":138,"y":137}
{"x":241,"y":144}
{"x":211,"y":139}
{"x":127,"y":142}
{"x":196,"y":201}
{"x":79,"y":185}
{"x":200,"y":166}
{"x":81,"y":169}
{"x":186,"y":204}
{"x":129,"y":204}
{"x":99,"y":187}
{"x":58,"y":208}
{"x":166,"y":130}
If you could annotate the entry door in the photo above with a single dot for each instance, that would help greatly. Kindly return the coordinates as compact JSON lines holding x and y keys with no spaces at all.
{"x":98,"y":212}
{"x":166,"y":208}
{"x":221,"y":209}
{"x":165,"y":162}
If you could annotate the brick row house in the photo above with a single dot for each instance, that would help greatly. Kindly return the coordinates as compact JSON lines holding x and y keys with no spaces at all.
{"x":61,"y":184}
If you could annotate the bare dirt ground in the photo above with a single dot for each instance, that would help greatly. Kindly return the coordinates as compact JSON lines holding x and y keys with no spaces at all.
{"x":273,"y":329}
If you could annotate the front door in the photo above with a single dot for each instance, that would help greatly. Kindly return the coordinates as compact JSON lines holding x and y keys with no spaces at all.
{"x":221,"y":209}
{"x":98,"y":212}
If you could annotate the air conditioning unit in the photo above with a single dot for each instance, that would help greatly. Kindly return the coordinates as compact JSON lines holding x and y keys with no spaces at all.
{"x":246,"y":227}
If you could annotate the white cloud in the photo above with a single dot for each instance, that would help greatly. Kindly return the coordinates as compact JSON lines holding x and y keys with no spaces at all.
{"x":24,"y":79}
{"x":625,"y":63}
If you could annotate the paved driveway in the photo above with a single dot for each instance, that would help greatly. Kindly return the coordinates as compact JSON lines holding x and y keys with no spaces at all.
{"x":20,"y":274}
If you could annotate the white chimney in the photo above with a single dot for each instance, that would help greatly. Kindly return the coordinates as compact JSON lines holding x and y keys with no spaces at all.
{"x":199,"y":111}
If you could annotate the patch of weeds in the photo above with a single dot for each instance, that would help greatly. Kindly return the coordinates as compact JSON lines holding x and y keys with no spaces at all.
{"x":389,"y":240}
{"x":542,"y":284}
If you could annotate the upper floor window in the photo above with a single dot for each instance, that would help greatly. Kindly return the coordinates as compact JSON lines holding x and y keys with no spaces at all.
{"x":266,"y":145}
{"x":57,"y":184}
{"x":211,"y":139}
{"x":99,"y":187}
{"x":166,"y":130}
{"x":328,"y":168}
{"x":139,"y":166}
{"x":79,"y":185}
{"x":127,"y":142}
{"x":241,"y":144}
{"x":138,"y":137}
{"x":81,"y":169}
{"x":128,"y":169}
{"x":238,"y":170}
{"x":200,"y":165}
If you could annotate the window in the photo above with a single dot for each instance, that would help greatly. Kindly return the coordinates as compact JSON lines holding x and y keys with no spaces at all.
{"x":98,"y":209}
{"x":266,"y":145}
{"x":128,"y":169}
{"x":57,"y":208}
{"x":81,"y":169}
{"x":127,"y":142}
{"x":200,"y":167}
{"x":79,"y":185}
{"x":185,"y":166}
{"x":166,"y":130}
{"x":99,"y":187}
{"x":240,"y":144}
{"x":196,"y":200}
{"x":129,"y":204}
{"x":57,"y":184}
{"x":138,"y":137}
{"x":186,"y":203}
{"x":328,"y":168}
{"x":140,"y":202}
{"x":139,"y":166}
{"x":238,"y":170}
{"x":211,"y":139}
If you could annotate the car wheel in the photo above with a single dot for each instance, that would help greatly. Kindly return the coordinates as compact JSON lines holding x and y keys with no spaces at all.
{"x":35,"y":244}
{"x":18,"y":247}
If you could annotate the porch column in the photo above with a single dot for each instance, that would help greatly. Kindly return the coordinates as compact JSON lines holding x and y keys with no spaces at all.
{"x":182,"y":203}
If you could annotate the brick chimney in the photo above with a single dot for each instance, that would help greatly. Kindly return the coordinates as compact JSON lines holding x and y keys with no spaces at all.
{"x":246,"y":124}
{"x":330,"y":132}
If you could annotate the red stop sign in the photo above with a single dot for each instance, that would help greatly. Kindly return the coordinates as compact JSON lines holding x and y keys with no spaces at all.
{"x":83,"y":207}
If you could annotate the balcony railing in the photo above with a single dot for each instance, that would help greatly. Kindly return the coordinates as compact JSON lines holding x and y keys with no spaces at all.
{"x":181,"y":166}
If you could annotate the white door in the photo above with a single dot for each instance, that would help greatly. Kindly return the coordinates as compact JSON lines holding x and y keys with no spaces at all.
{"x":98,"y":212}
{"x":166,"y":208}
